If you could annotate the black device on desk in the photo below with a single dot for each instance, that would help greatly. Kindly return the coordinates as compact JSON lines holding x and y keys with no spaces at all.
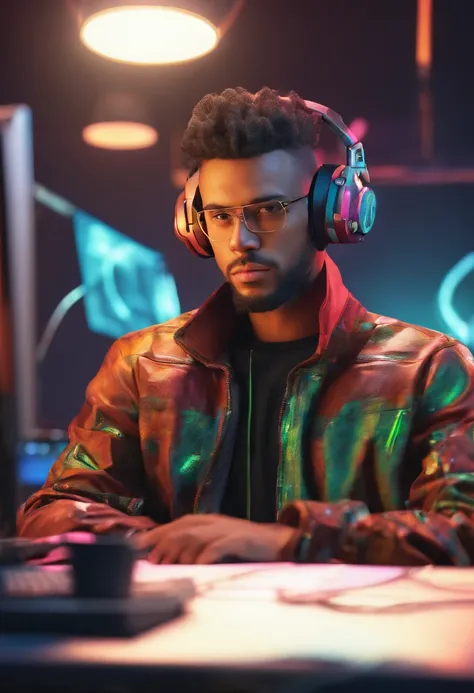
{"x":99,"y":602}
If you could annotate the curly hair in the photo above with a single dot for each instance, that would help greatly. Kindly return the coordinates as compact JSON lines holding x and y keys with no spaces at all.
{"x":237,"y":124}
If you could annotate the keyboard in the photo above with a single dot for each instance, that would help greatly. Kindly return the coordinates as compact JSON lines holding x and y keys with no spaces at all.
{"x":17,"y":550}
{"x":36,"y":581}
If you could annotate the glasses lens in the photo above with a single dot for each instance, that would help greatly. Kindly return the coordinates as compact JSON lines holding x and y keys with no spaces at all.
{"x":217,"y":224}
{"x":265,"y":217}
{"x":262,"y":217}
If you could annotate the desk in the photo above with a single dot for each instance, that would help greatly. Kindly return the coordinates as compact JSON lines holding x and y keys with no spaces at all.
{"x":238,"y":635}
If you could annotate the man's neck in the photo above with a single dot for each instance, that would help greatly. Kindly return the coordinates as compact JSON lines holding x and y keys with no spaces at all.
{"x":294,"y":320}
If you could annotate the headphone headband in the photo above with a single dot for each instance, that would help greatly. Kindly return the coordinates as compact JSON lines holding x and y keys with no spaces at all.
{"x":334,"y":121}
{"x":354,"y":148}
{"x":341,"y":205}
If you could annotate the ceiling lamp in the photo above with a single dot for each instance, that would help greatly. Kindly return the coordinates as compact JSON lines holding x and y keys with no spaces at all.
{"x":120,"y":135}
{"x":152,"y":33}
{"x":120,"y":122}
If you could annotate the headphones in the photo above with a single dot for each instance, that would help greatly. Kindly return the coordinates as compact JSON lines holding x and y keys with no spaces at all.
{"x":341,"y":204}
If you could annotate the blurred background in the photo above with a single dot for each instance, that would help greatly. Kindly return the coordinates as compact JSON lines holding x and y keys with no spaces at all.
{"x":398,"y":72}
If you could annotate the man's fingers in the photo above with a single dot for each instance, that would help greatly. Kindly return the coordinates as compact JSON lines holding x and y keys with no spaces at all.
{"x":169,"y":551}
{"x":145,"y":540}
{"x":164,"y":550}
{"x":155,"y":555}
{"x":220,"y":549}
{"x":183,"y":550}
{"x":190,"y":552}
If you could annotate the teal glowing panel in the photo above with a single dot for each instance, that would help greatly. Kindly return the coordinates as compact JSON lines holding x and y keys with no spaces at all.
{"x":127,"y":285}
{"x":460,"y":327}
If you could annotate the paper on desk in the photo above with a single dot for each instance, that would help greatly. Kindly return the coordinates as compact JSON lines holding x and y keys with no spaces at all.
{"x":267,"y":580}
{"x":416,"y":587}
{"x":459,"y":579}
{"x":146,"y":572}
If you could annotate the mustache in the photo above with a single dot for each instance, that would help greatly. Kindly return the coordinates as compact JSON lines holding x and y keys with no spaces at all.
{"x":250,"y":257}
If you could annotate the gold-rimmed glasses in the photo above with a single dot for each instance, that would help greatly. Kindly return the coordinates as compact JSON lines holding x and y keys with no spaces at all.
{"x":259,"y":217}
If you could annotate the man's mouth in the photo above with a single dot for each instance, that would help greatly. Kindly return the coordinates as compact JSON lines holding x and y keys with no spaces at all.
{"x":250,"y":272}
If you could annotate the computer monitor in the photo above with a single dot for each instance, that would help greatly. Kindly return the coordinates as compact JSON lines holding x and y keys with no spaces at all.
{"x":17,"y":309}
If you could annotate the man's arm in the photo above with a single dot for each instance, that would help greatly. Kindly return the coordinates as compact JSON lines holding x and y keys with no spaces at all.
{"x":98,"y":482}
{"x":438,"y":525}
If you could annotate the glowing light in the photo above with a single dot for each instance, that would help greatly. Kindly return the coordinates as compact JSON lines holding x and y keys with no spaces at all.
{"x":149,"y":35}
{"x":127,"y":285}
{"x":120,"y":135}
{"x":424,"y":30}
{"x":462,"y":329}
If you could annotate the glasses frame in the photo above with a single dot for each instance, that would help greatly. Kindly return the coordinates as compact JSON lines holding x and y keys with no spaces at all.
{"x":241,"y":216}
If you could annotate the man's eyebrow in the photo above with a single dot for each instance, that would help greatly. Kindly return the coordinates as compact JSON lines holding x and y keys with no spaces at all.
{"x":256,"y":200}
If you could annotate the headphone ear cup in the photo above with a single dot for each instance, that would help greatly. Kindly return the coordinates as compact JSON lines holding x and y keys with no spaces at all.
{"x":186,"y":225}
{"x":318,"y":205}
{"x":341,"y":207}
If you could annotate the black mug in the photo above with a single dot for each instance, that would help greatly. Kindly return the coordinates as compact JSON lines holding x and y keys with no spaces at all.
{"x":102,"y":569}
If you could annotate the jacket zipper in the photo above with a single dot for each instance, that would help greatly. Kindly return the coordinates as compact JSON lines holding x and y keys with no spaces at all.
{"x":374,"y":357}
{"x":172,"y":359}
{"x":249,"y":440}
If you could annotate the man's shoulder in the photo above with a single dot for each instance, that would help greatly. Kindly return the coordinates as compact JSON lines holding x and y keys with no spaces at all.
{"x":154,"y":341}
{"x":393,"y":338}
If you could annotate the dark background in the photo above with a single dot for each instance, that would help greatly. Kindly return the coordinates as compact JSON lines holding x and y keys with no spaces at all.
{"x":357,"y":57}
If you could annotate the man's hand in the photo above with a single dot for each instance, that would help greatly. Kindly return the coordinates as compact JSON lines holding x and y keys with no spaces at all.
{"x":214,"y":538}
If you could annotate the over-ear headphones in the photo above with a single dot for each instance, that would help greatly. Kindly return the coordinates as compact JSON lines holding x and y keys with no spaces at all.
{"x":341,"y":204}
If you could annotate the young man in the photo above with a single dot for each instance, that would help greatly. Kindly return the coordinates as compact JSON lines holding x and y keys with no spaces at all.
{"x":281,"y":420}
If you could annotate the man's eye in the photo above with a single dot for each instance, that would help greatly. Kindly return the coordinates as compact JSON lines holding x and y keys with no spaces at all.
{"x":270,"y":208}
{"x":221,"y":216}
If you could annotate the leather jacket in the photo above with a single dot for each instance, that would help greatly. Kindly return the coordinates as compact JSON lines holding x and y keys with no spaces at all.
{"x":384,"y":409}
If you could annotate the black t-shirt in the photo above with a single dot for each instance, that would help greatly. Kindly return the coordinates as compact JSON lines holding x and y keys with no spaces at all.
{"x":256,"y":451}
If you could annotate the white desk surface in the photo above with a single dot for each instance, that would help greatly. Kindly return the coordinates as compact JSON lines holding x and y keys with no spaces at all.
{"x":240,"y":620}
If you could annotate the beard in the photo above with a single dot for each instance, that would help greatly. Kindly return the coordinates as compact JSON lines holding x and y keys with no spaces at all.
{"x":290,"y":286}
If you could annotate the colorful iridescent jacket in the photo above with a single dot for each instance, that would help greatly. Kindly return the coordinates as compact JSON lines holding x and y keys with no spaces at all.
{"x":384,"y":409}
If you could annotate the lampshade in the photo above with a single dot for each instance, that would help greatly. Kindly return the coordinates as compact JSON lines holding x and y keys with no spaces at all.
{"x":150,"y":34}
{"x":120,"y":122}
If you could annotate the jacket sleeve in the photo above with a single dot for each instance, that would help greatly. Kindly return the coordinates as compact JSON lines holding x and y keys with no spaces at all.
{"x":98,"y":483}
{"x":437,"y":526}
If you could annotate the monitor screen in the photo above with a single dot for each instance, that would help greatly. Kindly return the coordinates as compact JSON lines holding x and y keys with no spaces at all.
{"x":126,"y":286}
{"x":17,"y":315}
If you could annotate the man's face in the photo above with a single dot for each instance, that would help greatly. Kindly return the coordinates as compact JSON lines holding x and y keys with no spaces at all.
{"x":269,"y":269}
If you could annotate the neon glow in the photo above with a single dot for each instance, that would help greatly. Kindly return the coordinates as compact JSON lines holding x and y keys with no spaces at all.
{"x":128,"y":286}
{"x":462,"y":329}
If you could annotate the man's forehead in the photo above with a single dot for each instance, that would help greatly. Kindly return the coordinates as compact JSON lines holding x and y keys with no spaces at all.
{"x":276,"y":173}
{"x":276,"y":161}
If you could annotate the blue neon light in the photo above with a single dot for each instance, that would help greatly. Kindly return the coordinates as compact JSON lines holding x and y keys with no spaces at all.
{"x":127,"y":284}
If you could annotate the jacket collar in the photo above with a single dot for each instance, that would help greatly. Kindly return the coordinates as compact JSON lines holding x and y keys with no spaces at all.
{"x":208,"y":331}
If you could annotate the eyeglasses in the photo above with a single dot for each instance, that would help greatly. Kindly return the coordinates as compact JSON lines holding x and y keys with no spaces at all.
{"x":259,"y":217}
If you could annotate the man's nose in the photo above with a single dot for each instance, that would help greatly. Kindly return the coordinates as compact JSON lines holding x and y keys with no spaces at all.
{"x":243,"y":240}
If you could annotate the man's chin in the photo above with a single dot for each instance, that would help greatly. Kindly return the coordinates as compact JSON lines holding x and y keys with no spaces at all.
{"x":257,"y":303}
{"x":288,"y":288}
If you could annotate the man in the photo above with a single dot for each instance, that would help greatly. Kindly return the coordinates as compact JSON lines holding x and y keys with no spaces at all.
{"x":281,"y":420}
